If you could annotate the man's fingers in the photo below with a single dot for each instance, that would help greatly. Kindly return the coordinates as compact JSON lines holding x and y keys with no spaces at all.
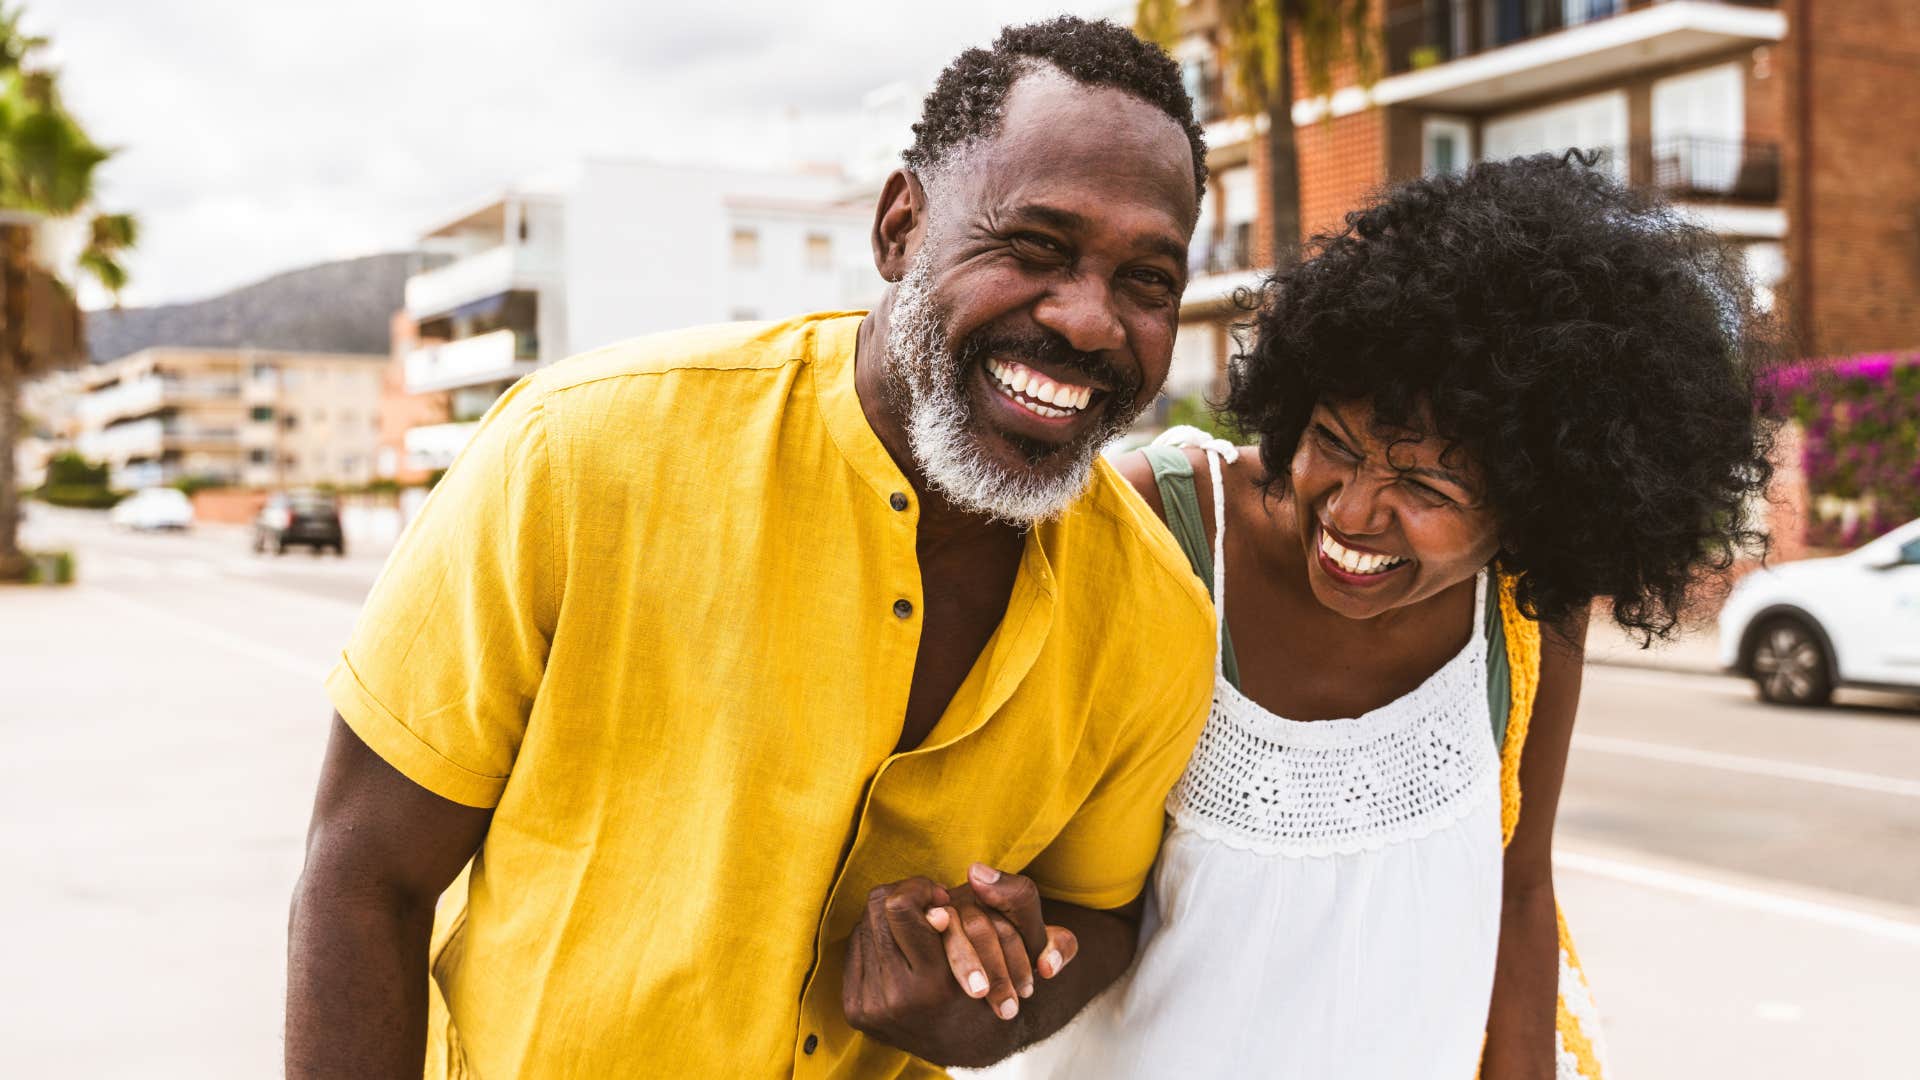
{"x":978,"y":926}
{"x":903,"y":911}
{"x":1062,"y":947}
{"x":1014,"y":896}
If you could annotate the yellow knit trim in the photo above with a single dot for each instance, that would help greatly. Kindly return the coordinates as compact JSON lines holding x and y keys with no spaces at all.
{"x":1523,"y":664}
{"x":1576,"y":1043}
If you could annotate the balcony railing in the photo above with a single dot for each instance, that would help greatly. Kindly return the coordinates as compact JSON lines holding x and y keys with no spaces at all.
{"x":490,"y":357}
{"x":1230,"y":254}
{"x":434,"y":446}
{"x":1422,"y":33}
{"x":1693,"y":167}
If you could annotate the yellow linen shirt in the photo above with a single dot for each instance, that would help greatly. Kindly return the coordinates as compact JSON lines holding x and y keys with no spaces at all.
{"x":661,"y":616}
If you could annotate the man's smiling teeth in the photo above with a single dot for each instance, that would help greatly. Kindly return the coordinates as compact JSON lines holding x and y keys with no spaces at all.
{"x":1037,"y":393}
{"x":1355,"y":562}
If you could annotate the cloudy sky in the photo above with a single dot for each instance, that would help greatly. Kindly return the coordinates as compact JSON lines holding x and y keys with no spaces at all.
{"x":261,"y":135}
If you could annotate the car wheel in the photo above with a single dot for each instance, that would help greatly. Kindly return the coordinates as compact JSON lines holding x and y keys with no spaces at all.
{"x":1788,"y":664}
{"x":340,"y":550}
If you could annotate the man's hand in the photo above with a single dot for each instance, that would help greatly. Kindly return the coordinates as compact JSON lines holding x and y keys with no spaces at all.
{"x":897,"y":988}
{"x":993,"y":928}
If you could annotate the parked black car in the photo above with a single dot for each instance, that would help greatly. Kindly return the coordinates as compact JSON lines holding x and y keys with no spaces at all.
{"x":299,"y":517}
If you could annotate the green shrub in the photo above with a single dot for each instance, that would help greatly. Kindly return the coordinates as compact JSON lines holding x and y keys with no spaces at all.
{"x":68,"y":469}
{"x":50,"y":568}
{"x":192,"y":485}
{"x":80,"y":496}
{"x":1194,"y":409}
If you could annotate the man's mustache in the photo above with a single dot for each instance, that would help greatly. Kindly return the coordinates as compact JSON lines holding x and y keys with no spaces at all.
{"x":1043,"y":348}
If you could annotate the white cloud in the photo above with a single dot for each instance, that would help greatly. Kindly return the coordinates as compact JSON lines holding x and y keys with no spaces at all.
{"x":259,"y":136}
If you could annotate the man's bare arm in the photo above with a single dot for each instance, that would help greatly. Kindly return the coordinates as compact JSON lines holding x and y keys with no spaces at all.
{"x":380,"y":850}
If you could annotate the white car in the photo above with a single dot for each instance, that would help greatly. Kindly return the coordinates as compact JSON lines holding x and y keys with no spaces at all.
{"x":153,"y":508}
{"x":1800,"y":629}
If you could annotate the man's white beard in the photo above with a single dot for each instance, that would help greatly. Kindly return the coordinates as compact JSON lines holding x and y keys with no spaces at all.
{"x":927,"y":383}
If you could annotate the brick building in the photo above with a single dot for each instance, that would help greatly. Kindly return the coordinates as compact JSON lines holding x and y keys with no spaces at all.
{"x":1783,"y":125}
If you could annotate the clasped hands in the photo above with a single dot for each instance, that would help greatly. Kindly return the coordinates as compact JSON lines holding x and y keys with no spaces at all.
{"x":939,"y":971}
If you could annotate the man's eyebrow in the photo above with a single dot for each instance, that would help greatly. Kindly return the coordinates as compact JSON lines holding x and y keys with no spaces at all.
{"x":1066,"y":220}
{"x":1070,"y":221}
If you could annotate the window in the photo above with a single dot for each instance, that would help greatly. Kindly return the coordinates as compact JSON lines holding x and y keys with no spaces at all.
{"x":1446,"y":145}
{"x":262,"y":413}
{"x":819,"y":251}
{"x":1598,"y":122}
{"x":258,"y":456}
{"x":746,"y":247}
{"x":289,"y":422}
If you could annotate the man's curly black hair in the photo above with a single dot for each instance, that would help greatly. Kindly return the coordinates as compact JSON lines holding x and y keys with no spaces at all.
{"x":969,"y":99}
{"x":1595,"y":354}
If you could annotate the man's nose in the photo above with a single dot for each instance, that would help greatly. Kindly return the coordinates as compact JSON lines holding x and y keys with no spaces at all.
{"x":1080,"y":310}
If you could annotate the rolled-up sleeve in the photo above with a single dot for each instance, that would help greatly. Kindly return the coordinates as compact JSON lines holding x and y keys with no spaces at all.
{"x":440,"y":674}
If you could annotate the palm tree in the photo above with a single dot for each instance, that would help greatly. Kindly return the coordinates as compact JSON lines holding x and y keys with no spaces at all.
{"x":1257,"y":43}
{"x":47,"y":165}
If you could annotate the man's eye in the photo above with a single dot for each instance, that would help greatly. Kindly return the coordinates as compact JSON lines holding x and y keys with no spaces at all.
{"x":1036,"y":244}
{"x":1153,"y":279}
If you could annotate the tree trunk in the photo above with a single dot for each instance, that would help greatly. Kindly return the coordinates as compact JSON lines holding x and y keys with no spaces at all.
{"x":13,"y":306}
{"x":1283,"y":163}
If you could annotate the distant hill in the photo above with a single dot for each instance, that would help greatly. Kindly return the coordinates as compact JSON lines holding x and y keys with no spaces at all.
{"x":342,"y":307}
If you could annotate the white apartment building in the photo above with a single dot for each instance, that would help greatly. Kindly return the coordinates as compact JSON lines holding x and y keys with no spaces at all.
{"x":615,"y":249}
{"x":253,"y":417}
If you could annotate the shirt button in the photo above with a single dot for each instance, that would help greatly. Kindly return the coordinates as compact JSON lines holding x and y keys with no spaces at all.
{"x":812,"y":1044}
{"x":903,"y":608}
{"x":899,"y":501}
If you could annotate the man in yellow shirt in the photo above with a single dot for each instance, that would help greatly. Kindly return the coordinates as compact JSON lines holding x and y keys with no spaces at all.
{"x":755,"y":669}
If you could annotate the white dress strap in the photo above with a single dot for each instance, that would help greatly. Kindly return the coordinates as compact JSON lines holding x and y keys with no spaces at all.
{"x":1217,"y":451}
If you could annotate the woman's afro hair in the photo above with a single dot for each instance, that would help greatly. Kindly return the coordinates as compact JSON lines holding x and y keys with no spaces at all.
{"x":1592,"y":352}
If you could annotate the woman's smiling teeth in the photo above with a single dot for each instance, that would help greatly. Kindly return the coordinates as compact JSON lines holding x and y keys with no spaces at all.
{"x":1035,"y":392}
{"x":1355,"y":562}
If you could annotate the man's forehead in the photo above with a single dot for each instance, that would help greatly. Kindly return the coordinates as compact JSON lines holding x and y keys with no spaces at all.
{"x":1084,"y":149}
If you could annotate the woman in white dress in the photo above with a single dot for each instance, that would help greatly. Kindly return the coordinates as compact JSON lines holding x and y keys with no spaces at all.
{"x":1511,"y":391}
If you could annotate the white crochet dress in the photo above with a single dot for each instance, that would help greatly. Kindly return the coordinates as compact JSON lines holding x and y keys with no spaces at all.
{"x":1327,"y":900}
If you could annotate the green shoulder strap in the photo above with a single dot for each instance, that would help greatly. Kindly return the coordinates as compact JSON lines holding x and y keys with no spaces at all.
{"x":1499,"y":669}
{"x":1173,"y":475}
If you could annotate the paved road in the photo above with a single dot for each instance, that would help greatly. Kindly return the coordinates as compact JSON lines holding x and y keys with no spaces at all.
{"x":1742,"y":879}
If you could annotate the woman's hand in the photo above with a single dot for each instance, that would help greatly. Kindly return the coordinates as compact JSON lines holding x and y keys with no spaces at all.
{"x":993,"y":929}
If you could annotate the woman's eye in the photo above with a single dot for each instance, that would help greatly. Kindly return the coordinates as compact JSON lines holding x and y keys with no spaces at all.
{"x":1332,"y":442}
{"x":1432,"y":496}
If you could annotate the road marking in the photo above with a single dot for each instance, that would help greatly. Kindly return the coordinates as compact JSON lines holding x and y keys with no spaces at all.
{"x":1772,"y":903}
{"x":289,"y":662}
{"x":1752,"y":766}
{"x":1601,"y":671}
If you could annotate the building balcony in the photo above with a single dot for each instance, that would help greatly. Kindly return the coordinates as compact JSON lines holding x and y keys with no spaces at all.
{"x":1481,"y":54}
{"x":1700,"y":169}
{"x":434,"y":446}
{"x":124,"y":442}
{"x":135,"y":398}
{"x":474,"y":277}
{"x":488,"y":358}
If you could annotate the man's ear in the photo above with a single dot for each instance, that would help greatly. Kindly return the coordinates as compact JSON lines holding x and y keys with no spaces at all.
{"x":899,"y":224}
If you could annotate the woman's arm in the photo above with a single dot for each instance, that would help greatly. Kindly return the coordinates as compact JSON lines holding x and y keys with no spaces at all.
{"x":1526,"y":981}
